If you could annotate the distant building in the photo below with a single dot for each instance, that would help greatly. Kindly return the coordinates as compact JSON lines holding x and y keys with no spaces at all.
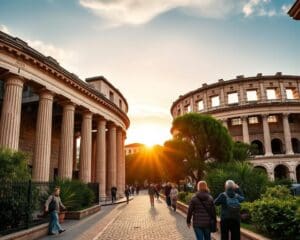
{"x":261,"y":110}
{"x":294,"y":12}
{"x":133,"y":148}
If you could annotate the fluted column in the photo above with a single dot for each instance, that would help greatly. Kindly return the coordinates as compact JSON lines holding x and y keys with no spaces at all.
{"x":112,"y":158}
{"x":287,"y":134}
{"x":67,"y":140}
{"x":101,"y":157}
{"x":245,"y":129}
{"x":119,"y":162}
{"x":41,"y":162}
{"x":86,"y":147}
{"x":267,"y":138}
{"x":11,"y":112}
{"x":123,"y":161}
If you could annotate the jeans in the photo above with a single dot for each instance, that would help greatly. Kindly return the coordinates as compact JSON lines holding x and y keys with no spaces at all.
{"x":202,"y":233}
{"x":54,"y":225}
{"x":168,"y":200}
{"x":232,"y":226}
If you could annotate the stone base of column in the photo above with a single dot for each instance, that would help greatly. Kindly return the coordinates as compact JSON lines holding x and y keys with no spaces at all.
{"x":290,"y":153}
{"x":268,"y":154}
{"x":102,"y":198}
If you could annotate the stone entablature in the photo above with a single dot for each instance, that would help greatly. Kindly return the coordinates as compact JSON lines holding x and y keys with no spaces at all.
{"x":19,"y":58}
{"x":294,"y":12}
{"x":264,"y":110}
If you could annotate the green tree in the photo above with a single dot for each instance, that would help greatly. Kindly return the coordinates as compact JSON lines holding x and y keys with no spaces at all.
{"x":13,"y":165}
{"x":205,"y":137}
{"x":243,"y":151}
{"x":252,"y":181}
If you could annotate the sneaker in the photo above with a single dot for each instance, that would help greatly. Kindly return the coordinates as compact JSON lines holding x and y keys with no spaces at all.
{"x":61,"y":231}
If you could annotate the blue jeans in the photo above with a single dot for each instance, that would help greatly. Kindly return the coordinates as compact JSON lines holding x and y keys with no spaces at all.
{"x":54,"y":225}
{"x":202,"y":233}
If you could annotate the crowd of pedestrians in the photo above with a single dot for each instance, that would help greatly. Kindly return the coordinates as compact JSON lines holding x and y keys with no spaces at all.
{"x":202,"y":212}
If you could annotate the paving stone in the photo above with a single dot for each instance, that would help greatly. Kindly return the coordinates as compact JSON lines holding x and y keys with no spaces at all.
{"x":139,"y":220}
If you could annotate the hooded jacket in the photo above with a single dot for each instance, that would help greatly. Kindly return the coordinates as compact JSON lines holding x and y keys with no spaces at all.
{"x":221,"y":200}
{"x":201,"y":218}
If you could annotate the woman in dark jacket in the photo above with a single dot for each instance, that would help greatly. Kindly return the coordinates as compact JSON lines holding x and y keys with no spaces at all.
{"x":202,"y":210}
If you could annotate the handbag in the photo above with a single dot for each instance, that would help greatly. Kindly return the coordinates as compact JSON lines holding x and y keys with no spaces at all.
{"x":212,"y":221}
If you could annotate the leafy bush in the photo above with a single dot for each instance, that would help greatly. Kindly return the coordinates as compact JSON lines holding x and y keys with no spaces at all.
{"x":13,"y":166}
{"x":188,"y":197}
{"x":181,"y":196}
{"x":14,"y":181}
{"x":251,"y":181}
{"x":276,"y":217}
{"x":74,"y":194}
{"x":279,"y":192}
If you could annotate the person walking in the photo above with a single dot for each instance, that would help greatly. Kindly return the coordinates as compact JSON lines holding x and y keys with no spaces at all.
{"x":113,"y":192}
{"x":127,"y":193}
{"x":202,"y":211}
{"x":174,"y":196}
{"x":151,"y":192}
{"x":168,"y":188}
{"x":53,"y":205}
{"x":230,"y":210}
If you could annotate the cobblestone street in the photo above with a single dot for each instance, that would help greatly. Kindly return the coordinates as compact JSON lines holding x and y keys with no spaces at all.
{"x":139,"y":221}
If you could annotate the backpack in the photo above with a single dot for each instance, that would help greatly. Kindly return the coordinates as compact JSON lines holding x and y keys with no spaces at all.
{"x":233,"y":206}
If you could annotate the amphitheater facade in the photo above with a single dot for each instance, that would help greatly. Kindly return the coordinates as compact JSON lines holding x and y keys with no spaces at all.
{"x":264,"y":110}
{"x":45,"y":110}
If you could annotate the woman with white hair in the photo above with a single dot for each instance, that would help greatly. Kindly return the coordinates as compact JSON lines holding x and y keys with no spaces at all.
{"x":230,"y":210}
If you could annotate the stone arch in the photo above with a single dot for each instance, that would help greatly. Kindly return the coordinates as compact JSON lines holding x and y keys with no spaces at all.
{"x":261,"y":168}
{"x":296,"y":145}
{"x":281,"y":171}
{"x":277,"y":147}
{"x":260,"y":147}
{"x":298,"y":173}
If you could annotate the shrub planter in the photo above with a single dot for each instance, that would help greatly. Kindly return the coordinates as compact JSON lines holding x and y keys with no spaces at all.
{"x":82,"y":213}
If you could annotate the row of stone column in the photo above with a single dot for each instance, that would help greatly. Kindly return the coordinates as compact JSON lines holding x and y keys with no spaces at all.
{"x":266,"y":132}
{"x":10,"y":132}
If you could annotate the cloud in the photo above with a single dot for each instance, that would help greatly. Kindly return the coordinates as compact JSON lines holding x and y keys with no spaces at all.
{"x":258,"y":8}
{"x":135,"y":12}
{"x":285,"y":8}
{"x":4,"y":28}
{"x":61,"y":55}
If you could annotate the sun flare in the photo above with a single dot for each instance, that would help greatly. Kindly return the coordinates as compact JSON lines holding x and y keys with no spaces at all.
{"x":149,"y":135}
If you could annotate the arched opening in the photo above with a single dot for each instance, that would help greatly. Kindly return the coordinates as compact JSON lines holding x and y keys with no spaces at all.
{"x":296,"y":145}
{"x":298,"y":173}
{"x":276,"y":146}
{"x":281,"y":172}
{"x":261,"y":169}
{"x":258,"y":147}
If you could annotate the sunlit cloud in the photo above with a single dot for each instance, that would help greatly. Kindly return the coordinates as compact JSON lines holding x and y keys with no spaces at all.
{"x":136,"y":12}
{"x":258,"y":8}
{"x":4,"y":28}
{"x":66,"y":57}
{"x":285,"y":8}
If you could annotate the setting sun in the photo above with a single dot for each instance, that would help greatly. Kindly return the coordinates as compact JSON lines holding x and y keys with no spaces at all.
{"x":148,"y":134}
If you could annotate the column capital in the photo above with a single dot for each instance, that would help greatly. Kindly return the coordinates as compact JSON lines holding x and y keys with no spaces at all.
{"x":13,"y":79}
{"x":265,"y":115}
{"x":46,"y":94}
{"x":87,"y":114}
{"x":244,"y":117}
{"x":285,"y":114}
{"x":67,"y":103}
{"x":111,"y":125}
